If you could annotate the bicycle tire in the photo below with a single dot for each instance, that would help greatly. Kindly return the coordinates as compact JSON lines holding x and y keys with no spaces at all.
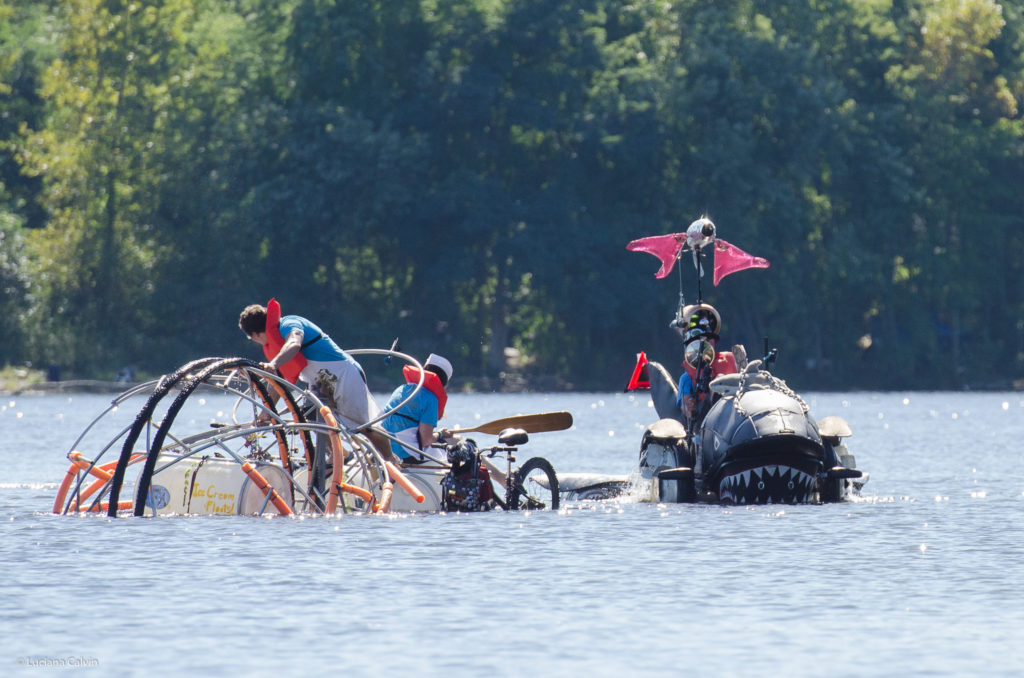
{"x":531,"y":495}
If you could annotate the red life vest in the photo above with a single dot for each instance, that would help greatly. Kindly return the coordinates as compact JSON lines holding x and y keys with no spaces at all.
{"x":724,"y":363}
{"x":431,"y":382}
{"x":275,"y":341}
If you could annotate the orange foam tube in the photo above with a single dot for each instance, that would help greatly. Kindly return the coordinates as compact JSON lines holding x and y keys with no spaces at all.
{"x":385,"y":499}
{"x":102,"y":473}
{"x":338,"y":476}
{"x":332,"y":498}
{"x":81,"y":462}
{"x":365,"y":495}
{"x":265,"y":487}
{"x":86,"y":493}
{"x":102,"y":507}
{"x":404,"y":482}
{"x":100,"y":481}
{"x":339,"y":451}
{"x":65,"y":485}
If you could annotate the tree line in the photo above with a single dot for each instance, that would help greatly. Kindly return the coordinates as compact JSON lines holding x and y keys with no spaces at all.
{"x":464,"y":175}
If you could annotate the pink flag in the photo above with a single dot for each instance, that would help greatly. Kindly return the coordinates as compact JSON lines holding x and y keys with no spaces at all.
{"x":665,"y":247}
{"x":729,"y":259}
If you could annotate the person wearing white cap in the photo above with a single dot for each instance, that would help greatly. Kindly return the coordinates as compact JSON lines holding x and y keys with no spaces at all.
{"x":415,"y":422}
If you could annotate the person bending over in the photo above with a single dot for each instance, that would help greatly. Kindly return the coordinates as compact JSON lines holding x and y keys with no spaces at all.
{"x":297,"y":348}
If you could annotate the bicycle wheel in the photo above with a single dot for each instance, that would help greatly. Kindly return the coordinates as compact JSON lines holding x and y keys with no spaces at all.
{"x":535,"y":486}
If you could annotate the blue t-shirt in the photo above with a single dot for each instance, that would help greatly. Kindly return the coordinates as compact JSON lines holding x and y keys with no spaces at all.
{"x":422,"y":409}
{"x":323,"y":350}
{"x":685,"y":388}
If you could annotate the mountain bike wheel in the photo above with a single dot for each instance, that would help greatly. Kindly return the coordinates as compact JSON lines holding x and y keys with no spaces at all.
{"x":535,"y":486}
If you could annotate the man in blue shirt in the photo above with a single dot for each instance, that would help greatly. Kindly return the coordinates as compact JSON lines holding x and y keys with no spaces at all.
{"x":299,"y":349}
{"x":414,"y":423}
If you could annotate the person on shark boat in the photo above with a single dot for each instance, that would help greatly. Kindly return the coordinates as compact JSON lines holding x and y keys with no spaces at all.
{"x":298,"y":349}
{"x":698,"y":326}
{"x":415,"y":423}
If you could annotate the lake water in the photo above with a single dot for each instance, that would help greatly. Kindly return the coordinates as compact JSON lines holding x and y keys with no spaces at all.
{"x":921,"y":576}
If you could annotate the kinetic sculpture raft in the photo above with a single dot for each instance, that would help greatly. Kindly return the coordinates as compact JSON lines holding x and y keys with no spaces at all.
{"x":174,"y":458}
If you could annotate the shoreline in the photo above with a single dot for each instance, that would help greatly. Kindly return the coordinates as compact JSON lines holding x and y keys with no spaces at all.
{"x":474,"y":385}
{"x":70,"y":386}
{"x":479,"y":385}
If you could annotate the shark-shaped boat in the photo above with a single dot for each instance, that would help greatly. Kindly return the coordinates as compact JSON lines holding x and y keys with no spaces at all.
{"x":749,"y":438}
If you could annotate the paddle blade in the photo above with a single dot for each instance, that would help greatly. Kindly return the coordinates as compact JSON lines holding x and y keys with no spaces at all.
{"x":531,"y":423}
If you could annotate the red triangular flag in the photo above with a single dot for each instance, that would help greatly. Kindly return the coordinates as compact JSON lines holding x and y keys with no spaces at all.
{"x":639,"y":380}
{"x":729,"y":259}
{"x":665,"y":247}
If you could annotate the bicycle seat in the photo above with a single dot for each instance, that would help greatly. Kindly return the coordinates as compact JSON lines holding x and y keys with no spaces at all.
{"x":513,"y":437}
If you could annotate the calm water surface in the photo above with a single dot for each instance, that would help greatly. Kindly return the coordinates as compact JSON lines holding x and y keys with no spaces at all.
{"x":920,"y":577}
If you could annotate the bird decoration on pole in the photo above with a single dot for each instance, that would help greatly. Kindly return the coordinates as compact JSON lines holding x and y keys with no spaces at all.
{"x":700,"y":234}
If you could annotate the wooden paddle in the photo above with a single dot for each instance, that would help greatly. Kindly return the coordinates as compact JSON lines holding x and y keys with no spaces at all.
{"x":531,"y":423}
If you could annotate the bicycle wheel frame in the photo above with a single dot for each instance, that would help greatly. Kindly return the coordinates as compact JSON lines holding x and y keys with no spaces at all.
{"x":534,"y":486}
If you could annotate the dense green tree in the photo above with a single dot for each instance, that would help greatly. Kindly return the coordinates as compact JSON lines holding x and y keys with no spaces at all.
{"x":336,"y":191}
{"x":964,"y":125}
{"x":13,"y":290}
{"x":92,"y":153}
{"x":465,"y":175}
{"x":222,"y":135}
{"x":25,"y":45}
{"x":146,"y":118}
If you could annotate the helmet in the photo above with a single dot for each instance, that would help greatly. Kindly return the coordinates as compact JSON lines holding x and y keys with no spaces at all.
{"x":462,"y":453}
{"x":701,"y":317}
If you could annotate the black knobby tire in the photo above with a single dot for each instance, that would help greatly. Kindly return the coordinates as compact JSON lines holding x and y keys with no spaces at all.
{"x":531,"y":495}
{"x":141,"y":420}
{"x":190,"y":384}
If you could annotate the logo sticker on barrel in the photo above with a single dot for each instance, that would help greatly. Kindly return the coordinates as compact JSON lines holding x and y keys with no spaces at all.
{"x":158,"y":497}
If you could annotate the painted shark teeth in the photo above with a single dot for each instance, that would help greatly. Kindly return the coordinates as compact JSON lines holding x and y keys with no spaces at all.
{"x":769,"y":484}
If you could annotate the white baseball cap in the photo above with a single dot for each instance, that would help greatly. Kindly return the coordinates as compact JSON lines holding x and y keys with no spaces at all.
{"x":446,"y":367}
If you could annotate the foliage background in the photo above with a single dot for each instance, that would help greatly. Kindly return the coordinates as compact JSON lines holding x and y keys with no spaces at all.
{"x":465,"y":174}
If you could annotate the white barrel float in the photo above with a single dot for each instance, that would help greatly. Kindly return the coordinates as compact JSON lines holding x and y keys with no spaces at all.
{"x":214,"y":486}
